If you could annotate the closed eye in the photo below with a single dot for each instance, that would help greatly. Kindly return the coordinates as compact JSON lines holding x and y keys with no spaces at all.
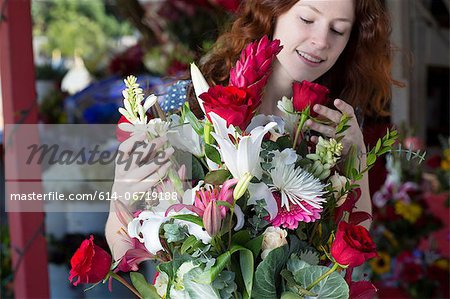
{"x":306,"y":21}
{"x":337,"y":32}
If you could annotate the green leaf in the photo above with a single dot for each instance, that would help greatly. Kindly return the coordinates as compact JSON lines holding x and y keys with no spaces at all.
{"x":371,"y":159}
{"x":290,"y":295}
{"x":247,"y":267}
{"x":197,"y":169}
{"x":389,"y":142}
{"x":384,"y":150}
{"x":349,"y":163}
{"x":190,"y":242}
{"x":195,"y":288}
{"x":217,"y":177}
{"x":255,"y":245}
{"x":192,"y":119}
{"x":224,"y":204}
{"x":212,"y":153}
{"x":267,"y":274}
{"x":331,"y":287}
{"x":378,"y":146}
{"x":148,"y":291}
{"x":189,"y":217}
{"x":284,"y":142}
{"x":241,"y":237}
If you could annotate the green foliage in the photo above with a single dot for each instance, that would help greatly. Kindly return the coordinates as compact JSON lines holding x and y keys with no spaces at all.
{"x":225,"y":284}
{"x":85,"y":26}
{"x":148,"y":291}
{"x":175,"y":232}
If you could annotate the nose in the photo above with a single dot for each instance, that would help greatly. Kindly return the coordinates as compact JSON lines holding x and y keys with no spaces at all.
{"x":320,"y":39}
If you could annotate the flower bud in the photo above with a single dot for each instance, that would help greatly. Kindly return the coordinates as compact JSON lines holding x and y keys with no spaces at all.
{"x":242,"y":186}
{"x":274,"y":237}
{"x":212,"y":220}
{"x":338,"y":183}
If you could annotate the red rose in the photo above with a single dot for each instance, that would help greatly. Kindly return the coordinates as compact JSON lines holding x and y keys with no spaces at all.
{"x":308,"y":94}
{"x":90,"y":263}
{"x":231,"y":103}
{"x":353,"y":245}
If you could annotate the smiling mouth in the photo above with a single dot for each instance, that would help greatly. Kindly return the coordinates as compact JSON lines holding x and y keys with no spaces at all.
{"x":309,"y":57}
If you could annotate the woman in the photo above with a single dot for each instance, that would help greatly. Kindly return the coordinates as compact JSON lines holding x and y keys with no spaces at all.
{"x":342,"y":44}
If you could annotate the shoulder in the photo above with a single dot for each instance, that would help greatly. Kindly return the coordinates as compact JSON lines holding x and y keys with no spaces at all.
{"x":174,"y":96}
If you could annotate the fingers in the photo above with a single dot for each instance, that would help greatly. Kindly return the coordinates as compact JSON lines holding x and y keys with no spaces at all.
{"x":323,"y":129}
{"x":344,"y":107}
{"x":333,"y":115}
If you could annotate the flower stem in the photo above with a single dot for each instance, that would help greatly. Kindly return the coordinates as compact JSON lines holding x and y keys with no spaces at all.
{"x":303,"y":118}
{"x":335,"y":266}
{"x":125,"y":283}
{"x":229,"y":228}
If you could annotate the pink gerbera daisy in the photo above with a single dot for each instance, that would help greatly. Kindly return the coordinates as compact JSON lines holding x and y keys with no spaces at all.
{"x":290,"y":218}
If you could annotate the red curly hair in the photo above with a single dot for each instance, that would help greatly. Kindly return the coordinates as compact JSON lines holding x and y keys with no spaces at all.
{"x":360,"y":76}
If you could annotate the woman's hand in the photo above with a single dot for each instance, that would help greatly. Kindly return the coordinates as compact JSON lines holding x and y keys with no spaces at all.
{"x":140,"y":165}
{"x":352,"y":136}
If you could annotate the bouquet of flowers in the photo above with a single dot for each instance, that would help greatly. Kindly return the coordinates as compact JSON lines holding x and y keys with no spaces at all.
{"x":268,"y":214}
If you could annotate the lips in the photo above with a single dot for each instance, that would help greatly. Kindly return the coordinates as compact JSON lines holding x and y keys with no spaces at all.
{"x":309,"y":57}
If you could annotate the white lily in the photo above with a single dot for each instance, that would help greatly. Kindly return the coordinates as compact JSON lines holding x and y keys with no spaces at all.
{"x":199,"y":83}
{"x":146,"y":228}
{"x":241,"y":159}
{"x":184,"y":137}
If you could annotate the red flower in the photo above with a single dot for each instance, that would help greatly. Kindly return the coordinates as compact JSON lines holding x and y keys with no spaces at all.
{"x":411,"y":272}
{"x":120,"y":134}
{"x":229,"y":5}
{"x":90,"y":263}
{"x":253,"y":68}
{"x":353,"y":245}
{"x":231,"y":103}
{"x":308,"y":94}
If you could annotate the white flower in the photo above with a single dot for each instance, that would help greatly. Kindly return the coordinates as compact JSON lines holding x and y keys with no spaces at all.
{"x":296,"y":186}
{"x":274,"y":237}
{"x":241,"y":159}
{"x":146,"y":228}
{"x":290,"y":117}
{"x":184,"y":137}
{"x":261,"y":191}
{"x":338,"y":183}
{"x":287,"y":156}
{"x":200,"y":84}
{"x":262,"y":120}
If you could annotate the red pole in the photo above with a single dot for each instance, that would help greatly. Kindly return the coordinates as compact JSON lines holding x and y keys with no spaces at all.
{"x":29,"y":251}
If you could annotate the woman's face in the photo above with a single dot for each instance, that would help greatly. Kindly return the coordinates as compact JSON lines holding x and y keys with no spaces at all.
{"x":313,"y":34}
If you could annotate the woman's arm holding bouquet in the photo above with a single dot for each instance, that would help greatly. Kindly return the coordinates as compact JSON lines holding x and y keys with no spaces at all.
{"x":352,"y":137}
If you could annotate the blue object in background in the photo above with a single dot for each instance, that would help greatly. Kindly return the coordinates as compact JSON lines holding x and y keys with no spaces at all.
{"x":99,"y":102}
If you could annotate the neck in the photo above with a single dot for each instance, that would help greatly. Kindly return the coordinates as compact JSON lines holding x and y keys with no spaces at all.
{"x":278,"y":85}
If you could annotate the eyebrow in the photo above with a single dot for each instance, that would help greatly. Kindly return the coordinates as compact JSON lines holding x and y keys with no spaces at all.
{"x":320,"y":13}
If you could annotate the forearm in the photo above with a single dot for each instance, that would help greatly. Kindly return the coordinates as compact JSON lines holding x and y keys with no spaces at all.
{"x":364,"y":204}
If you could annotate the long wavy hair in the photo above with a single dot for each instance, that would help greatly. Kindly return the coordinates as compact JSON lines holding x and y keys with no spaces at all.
{"x":361,"y":75}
